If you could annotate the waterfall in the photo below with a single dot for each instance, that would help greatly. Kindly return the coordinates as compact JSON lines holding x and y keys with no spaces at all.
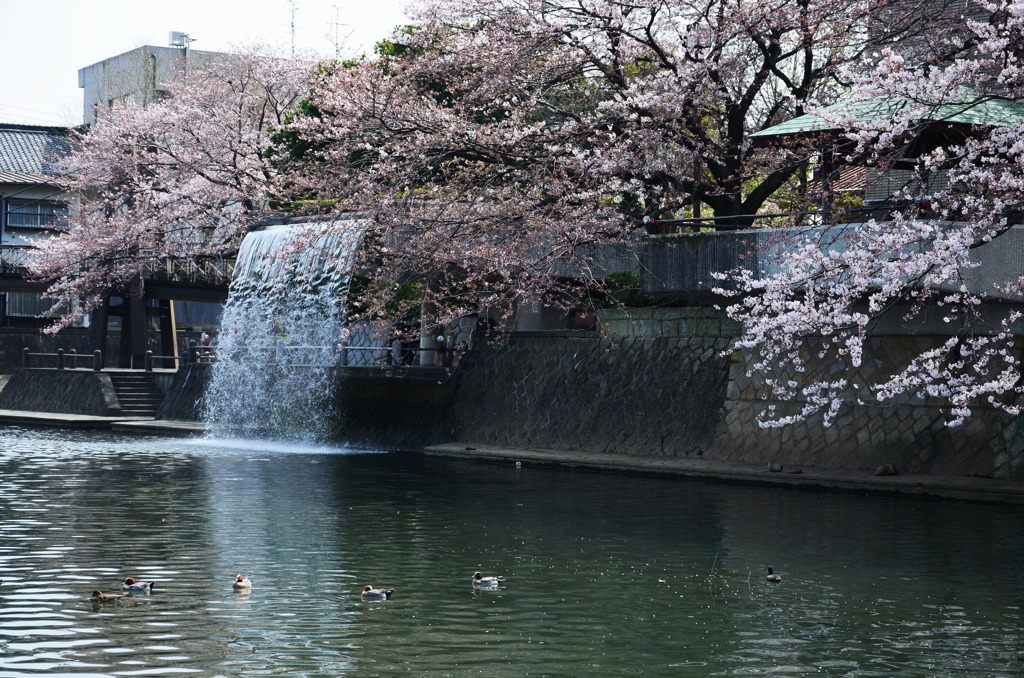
{"x":280,"y":331}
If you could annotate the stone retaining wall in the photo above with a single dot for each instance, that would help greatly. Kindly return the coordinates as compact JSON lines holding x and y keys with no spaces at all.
{"x":63,"y":391}
{"x":184,"y":393}
{"x":651,"y":383}
{"x":655,"y":383}
{"x":566,"y":390}
{"x":910,"y":434}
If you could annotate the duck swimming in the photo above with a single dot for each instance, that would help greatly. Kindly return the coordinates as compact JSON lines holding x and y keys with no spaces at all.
{"x":370,"y":593}
{"x":480,"y":581}
{"x":130,"y":584}
{"x":772,"y":577}
{"x":100,"y":597}
{"x":241,"y":583}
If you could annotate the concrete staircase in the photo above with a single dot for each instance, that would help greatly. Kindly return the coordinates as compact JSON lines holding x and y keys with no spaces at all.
{"x":137,"y":394}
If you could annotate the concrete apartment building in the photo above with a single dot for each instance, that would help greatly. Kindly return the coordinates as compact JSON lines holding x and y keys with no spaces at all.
{"x":139,"y":76}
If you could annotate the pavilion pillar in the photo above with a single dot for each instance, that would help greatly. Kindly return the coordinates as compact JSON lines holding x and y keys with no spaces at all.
{"x":133,"y":327}
{"x":168,"y":334}
{"x":98,"y":339}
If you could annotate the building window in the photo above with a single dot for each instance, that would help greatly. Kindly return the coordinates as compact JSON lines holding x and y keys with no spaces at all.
{"x":33,"y":305}
{"x":25,"y":304}
{"x":34,"y":213}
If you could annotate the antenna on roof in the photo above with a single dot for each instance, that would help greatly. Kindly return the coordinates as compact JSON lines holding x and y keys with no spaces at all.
{"x":179,"y":39}
{"x":295,"y":7}
{"x":182,"y":40}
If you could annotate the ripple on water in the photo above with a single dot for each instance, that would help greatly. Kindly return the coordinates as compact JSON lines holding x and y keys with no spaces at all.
{"x":601,"y":569}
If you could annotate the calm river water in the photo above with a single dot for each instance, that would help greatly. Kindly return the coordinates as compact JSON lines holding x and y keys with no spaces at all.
{"x":607,"y":575}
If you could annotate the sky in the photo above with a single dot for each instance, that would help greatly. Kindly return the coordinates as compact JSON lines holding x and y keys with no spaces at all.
{"x":43,"y":43}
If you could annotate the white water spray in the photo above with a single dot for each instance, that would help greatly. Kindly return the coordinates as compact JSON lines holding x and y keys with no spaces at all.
{"x":280,"y":331}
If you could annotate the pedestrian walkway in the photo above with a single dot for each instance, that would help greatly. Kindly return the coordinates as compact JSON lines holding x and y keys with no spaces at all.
{"x":135,"y":424}
{"x":919,"y":484}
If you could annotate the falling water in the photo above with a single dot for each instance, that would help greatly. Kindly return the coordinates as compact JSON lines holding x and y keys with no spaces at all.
{"x":280,"y":331}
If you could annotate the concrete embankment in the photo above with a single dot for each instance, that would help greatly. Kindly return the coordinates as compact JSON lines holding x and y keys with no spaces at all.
{"x":921,"y":485}
{"x":650,"y":391}
{"x":128,"y":424}
{"x":918,"y":484}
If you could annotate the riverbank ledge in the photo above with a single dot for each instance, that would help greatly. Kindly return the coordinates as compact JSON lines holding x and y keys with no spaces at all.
{"x":716,"y":470}
{"x":851,"y":480}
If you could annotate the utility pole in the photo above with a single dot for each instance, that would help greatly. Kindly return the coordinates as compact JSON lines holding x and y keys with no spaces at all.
{"x":295,"y":7}
{"x":337,"y":44}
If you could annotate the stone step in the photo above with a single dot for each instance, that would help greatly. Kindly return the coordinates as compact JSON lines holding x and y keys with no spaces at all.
{"x":137,"y":394}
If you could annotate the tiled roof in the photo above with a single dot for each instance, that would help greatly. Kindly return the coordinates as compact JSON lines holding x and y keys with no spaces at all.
{"x":31,"y":150}
{"x":976,"y":110}
{"x":23,"y":178}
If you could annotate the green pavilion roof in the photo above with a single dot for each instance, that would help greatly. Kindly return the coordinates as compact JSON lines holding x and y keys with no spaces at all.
{"x":977,"y":110}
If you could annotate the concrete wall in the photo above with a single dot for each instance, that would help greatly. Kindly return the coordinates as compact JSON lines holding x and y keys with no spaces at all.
{"x":140,"y":76}
{"x":684,"y":264}
{"x":184,"y":391}
{"x":13,"y":342}
{"x":652,"y":383}
{"x":655,"y":383}
{"x":64,"y":391}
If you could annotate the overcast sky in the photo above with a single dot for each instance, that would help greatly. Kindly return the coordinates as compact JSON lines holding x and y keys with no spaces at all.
{"x":43,"y":43}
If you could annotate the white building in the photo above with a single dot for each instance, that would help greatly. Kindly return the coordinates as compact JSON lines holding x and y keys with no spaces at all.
{"x":140,"y":76}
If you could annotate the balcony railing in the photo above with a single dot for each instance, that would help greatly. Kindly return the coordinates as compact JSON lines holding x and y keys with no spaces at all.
{"x":13,"y":260}
{"x":214,"y":271}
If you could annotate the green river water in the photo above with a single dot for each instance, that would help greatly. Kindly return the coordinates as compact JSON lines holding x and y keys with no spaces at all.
{"x":606,"y":574}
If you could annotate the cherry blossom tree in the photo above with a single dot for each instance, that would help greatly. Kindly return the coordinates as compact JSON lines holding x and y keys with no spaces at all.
{"x":174,"y":181}
{"x":501,"y":141}
{"x":495,"y":146}
{"x":963,"y":198}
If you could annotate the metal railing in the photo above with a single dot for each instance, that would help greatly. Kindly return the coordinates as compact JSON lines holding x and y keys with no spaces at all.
{"x":66,"y":359}
{"x":198,"y":354}
{"x":871,"y":209}
{"x":215,"y":271}
{"x":341,"y":356}
{"x":150,"y":358}
{"x":13,"y":259}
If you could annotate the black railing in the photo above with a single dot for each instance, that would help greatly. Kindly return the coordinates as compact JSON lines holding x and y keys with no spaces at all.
{"x":871,"y":209}
{"x":71,"y":360}
{"x":13,"y":259}
{"x":149,"y":358}
{"x":198,"y":354}
{"x":216,"y":271}
{"x":394,"y":356}
{"x":342,"y":356}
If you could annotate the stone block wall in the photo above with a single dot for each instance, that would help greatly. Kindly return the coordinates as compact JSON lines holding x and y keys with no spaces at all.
{"x":909,"y":433}
{"x":640,"y":386}
{"x":184,"y":393}
{"x":63,"y":391}
{"x":655,"y":382}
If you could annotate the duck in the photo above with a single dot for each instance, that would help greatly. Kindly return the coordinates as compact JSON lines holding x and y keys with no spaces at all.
{"x":101,"y":597}
{"x":772,"y":577}
{"x":130,"y":584}
{"x":370,"y":593}
{"x":241,"y":583}
{"x":480,"y":581}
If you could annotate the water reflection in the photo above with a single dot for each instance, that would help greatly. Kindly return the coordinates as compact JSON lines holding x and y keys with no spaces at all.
{"x":606,"y":574}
